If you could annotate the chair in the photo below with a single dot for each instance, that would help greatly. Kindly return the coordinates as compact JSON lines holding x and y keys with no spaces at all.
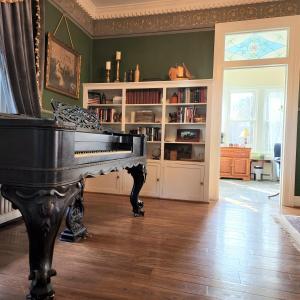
{"x":277,"y":157}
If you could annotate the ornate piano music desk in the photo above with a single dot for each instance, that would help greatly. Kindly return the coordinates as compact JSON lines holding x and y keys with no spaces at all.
{"x":43,"y":164}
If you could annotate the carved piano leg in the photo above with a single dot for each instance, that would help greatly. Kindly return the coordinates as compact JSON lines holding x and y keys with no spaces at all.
{"x":139,"y":177}
{"x":42,"y":210}
{"x":75,"y":229}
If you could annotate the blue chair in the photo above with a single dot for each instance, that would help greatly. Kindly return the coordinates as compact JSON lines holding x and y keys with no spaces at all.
{"x":277,"y":158}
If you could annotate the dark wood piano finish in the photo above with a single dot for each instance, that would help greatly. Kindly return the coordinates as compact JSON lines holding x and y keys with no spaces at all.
{"x":43,"y":164}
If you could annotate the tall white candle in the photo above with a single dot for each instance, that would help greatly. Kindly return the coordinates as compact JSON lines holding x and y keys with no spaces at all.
{"x":118,"y":55}
{"x":108,"y":65}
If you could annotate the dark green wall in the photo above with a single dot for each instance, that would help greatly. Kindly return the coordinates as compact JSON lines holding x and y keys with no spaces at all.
{"x":156,"y":54}
{"x":82,"y":44}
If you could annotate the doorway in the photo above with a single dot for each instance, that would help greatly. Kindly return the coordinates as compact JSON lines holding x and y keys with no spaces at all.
{"x":253,"y":106}
{"x":250,"y":45}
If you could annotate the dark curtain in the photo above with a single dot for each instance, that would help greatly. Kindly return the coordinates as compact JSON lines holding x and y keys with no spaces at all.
{"x":23,"y":51}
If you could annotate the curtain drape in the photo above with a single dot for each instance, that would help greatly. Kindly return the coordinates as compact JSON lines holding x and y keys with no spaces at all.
{"x":23,"y":51}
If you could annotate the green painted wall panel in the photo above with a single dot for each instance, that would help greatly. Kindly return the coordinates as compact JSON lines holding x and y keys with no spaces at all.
{"x":156,"y":54}
{"x":82,"y":44}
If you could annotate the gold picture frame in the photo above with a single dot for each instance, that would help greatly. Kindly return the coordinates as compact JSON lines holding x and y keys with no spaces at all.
{"x":63,"y":68}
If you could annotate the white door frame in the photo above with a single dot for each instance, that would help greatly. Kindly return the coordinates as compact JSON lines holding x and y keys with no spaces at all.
{"x":292,"y":62}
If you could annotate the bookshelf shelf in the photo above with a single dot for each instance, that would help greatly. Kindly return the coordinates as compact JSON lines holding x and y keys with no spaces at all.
{"x":145,"y":104}
{"x":153,"y":142}
{"x":185,"y":104}
{"x":186,"y":123}
{"x":146,"y":108}
{"x":192,"y":143}
{"x":104,"y":105}
{"x":142,"y":123}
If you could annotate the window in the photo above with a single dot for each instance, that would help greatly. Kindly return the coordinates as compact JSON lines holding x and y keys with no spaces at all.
{"x":254,"y":117}
{"x":241,"y":116}
{"x":7,"y":104}
{"x":256,"y":45}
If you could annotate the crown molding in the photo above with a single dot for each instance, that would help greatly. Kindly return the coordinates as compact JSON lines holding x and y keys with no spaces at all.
{"x":174,"y":22}
{"x":155,"y":7}
{"x":193,"y":20}
{"x":79,"y":16}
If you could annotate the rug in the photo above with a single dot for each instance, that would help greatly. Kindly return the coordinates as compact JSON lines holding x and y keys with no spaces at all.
{"x":291,"y":224}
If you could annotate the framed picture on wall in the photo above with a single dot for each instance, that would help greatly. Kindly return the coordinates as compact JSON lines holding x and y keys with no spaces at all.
{"x":63,"y":68}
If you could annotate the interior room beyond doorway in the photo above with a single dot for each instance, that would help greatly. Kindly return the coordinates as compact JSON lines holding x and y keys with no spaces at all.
{"x":252,"y":133}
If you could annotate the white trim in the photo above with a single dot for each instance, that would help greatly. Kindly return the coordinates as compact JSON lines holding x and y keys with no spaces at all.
{"x":14,"y":214}
{"x":291,"y":113}
{"x":154,"y":7}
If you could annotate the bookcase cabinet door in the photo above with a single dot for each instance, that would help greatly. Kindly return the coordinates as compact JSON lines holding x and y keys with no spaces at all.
{"x":109,"y":184}
{"x":183,"y":182}
{"x":152,"y":184}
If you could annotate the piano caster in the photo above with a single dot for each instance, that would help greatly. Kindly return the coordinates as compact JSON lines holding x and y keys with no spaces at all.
{"x":49,"y":297}
{"x":75,"y":230}
{"x":140,"y":212}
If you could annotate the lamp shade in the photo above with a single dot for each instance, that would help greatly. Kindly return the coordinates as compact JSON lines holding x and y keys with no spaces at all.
{"x":245,"y":133}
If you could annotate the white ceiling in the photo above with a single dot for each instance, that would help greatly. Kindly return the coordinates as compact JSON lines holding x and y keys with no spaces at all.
{"x":109,"y":9}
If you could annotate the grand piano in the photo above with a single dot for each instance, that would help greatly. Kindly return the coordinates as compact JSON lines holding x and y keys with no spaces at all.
{"x":43,"y":165}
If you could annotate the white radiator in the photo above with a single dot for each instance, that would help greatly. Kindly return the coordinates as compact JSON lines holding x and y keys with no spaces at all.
{"x":7,"y":213}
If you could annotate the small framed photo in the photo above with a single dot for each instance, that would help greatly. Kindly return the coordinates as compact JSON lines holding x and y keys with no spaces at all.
{"x":63,"y":68}
{"x":188,"y":135}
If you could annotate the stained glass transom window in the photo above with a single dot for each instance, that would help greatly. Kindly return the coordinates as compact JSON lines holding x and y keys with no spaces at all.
{"x":256,"y":45}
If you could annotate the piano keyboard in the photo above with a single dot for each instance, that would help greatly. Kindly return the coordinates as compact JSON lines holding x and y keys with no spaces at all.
{"x":99,"y":153}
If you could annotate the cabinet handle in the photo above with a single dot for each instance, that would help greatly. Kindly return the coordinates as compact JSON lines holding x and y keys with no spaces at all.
{"x":201,"y":183}
{"x":118,"y":177}
{"x":157,"y":179}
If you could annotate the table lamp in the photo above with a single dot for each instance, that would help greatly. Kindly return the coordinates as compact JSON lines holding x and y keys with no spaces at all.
{"x":244,"y":135}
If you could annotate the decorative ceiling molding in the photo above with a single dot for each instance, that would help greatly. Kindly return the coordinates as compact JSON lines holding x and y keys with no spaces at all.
{"x":72,"y":9}
{"x":174,"y":22}
{"x":193,"y":20}
{"x":153,"y":7}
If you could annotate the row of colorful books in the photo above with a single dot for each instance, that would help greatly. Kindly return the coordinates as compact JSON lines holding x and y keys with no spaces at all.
{"x":192,"y":95}
{"x":187,"y":115}
{"x":96,"y":98}
{"x":144,"y":96}
{"x":110,"y":115}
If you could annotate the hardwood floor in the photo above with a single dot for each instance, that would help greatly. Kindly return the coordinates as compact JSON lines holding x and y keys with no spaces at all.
{"x":179,"y":250}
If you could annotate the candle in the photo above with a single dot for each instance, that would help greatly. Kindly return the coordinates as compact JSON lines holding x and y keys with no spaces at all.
{"x":108,"y":65}
{"x":118,"y":55}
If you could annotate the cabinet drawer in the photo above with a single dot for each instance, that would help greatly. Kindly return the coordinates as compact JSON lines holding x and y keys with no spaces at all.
{"x":235,"y":152}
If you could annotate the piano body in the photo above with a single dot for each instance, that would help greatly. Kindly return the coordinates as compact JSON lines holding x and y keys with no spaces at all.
{"x":43,"y":164}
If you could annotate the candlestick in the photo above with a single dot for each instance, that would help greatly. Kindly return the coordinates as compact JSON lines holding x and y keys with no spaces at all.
{"x":107,"y":75}
{"x":108,"y":65}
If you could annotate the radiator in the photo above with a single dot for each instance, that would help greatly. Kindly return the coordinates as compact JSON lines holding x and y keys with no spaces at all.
{"x":7,"y":213}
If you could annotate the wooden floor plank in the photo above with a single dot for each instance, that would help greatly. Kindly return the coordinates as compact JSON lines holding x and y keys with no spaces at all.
{"x":178,"y":251}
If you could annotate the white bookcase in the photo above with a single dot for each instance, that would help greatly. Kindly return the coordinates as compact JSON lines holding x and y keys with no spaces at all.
{"x":182,"y":169}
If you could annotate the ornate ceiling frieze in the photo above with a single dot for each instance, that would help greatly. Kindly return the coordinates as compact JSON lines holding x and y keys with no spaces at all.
{"x":198,"y":19}
{"x":99,"y":9}
{"x":76,"y":14}
{"x":178,"y":21}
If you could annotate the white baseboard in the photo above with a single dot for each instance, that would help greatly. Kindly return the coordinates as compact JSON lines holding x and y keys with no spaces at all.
{"x":14,"y":214}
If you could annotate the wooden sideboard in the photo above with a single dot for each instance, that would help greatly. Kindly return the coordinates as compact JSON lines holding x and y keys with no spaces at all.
{"x":235,"y":162}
